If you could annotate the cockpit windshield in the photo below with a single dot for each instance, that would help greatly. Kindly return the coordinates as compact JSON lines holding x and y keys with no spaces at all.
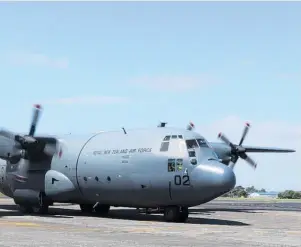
{"x":191,"y":144}
{"x":196,"y":143}
{"x":202,"y":143}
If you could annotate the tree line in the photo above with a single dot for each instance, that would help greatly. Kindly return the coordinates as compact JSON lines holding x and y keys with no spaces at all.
{"x":240,"y":191}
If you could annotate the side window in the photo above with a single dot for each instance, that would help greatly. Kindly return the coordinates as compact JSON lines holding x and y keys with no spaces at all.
{"x":171,"y":165}
{"x":179,"y":164}
{"x":191,"y":153}
{"x":191,"y":144}
{"x":164,"y":146}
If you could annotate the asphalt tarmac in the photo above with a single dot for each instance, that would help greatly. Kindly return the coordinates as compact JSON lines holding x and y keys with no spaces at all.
{"x":218,"y":223}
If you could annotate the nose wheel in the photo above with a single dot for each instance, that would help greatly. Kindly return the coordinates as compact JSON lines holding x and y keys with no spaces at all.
{"x":176,"y":214}
{"x":98,"y":209}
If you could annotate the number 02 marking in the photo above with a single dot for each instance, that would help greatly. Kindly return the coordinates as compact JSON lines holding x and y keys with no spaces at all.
{"x":178,"y":180}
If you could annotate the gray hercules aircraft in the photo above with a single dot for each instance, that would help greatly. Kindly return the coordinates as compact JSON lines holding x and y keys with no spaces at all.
{"x":161,"y":167}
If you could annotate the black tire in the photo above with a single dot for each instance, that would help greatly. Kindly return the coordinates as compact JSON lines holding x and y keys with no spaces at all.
{"x":183,"y":216}
{"x":102,"y":210}
{"x":171,"y":214}
{"x":41,"y":209}
{"x":25,"y":209}
{"x":86,"y":208}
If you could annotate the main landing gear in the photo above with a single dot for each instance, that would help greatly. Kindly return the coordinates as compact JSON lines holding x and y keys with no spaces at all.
{"x":41,"y":208}
{"x":176,"y":214}
{"x":29,"y":209}
{"x":98,"y":209}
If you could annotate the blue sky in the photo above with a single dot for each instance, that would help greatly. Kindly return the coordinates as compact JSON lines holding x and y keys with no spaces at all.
{"x":103,"y":65}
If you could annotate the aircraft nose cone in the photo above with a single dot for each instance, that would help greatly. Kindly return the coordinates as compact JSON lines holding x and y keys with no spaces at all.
{"x":214,"y":176}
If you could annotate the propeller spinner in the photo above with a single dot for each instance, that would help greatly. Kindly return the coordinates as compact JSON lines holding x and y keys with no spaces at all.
{"x":238,"y":151}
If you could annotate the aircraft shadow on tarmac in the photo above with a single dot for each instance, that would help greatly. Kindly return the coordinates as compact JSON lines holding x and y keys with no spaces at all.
{"x":121,"y":214}
{"x":213,"y":210}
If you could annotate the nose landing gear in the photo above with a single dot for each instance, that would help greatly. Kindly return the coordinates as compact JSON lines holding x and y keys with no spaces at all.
{"x":176,"y":214}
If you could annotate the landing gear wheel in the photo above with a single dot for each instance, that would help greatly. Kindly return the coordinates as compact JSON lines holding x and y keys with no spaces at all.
{"x":25,"y":209}
{"x":40,"y":209}
{"x":175,"y":214}
{"x":183,"y":214}
{"x":43,"y":206}
{"x":102,"y":210}
{"x":86,"y":208}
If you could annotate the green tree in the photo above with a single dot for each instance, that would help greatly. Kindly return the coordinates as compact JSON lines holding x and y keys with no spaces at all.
{"x":289,"y":194}
{"x":297,"y":195}
{"x":242,"y":193}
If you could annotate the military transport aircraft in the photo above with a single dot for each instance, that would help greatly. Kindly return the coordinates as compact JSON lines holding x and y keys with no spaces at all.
{"x":161,"y":167}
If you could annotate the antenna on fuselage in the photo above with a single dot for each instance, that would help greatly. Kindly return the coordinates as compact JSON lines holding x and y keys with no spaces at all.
{"x":124,"y":130}
{"x":162,"y":124}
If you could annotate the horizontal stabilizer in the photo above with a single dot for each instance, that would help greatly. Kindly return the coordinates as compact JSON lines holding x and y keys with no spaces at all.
{"x":250,"y":149}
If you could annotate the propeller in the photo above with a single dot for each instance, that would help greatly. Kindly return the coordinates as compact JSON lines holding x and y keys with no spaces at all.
{"x":23,"y":143}
{"x":238,"y":151}
{"x":190,"y":126}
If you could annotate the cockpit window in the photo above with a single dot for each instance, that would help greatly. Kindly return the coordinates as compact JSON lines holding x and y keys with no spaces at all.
{"x":191,"y":144}
{"x":180,"y":136}
{"x":174,"y":137}
{"x":164,"y":146}
{"x":166,"y":138}
{"x":202,"y":143}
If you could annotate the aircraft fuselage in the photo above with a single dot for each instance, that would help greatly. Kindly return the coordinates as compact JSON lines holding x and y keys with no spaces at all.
{"x":137,"y":168}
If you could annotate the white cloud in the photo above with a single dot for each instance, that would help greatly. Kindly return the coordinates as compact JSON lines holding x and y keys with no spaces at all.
{"x":275,"y":171}
{"x":90,"y":100}
{"x":37,"y":59}
{"x":174,"y":83}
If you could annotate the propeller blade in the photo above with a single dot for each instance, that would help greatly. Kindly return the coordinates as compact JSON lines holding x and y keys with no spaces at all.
{"x":244,"y":134}
{"x":250,"y":161}
{"x":226,"y":140}
{"x":251,"y":149}
{"x":7,"y":134}
{"x":50,"y":149}
{"x":36,"y":114}
{"x":232,"y":164}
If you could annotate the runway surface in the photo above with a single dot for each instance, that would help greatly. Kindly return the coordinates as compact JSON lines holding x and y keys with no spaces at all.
{"x":218,"y":223}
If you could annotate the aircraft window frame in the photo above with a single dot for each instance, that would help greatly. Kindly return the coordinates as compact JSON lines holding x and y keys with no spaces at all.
{"x":194,"y":143}
{"x":191,"y":153}
{"x":179,"y":165}
{"x":166,"y":138}
{"x":164,"y":146}
{"x":171,"y":165}
{"x":193,"y":161}
{"x":174,"y":137}
{"x":202,"y":143}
